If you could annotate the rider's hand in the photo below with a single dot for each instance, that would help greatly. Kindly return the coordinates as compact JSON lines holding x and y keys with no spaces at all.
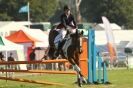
{"x":67,"y":27}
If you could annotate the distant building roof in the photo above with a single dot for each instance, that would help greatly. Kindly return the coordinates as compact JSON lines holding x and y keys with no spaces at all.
{"x":119,"y":35}
{"x":114,"y":26}
{"x":4,"y":23}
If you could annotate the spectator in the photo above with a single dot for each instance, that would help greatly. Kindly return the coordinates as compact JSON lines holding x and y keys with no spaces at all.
{"x":1,"y":60}
{"x":32,"y":57}
{"x":10,"y":58}
{"x":1,"y":56}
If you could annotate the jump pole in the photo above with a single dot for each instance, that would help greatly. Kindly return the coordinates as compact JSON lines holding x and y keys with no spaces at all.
{"x":35,"y":62}
{"x":40,"y":71}
{"x":93,"y":55}
{"x":30,"y":81}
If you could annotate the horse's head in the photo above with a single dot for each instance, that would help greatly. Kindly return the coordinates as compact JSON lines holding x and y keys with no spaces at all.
{"x":77,"y":40}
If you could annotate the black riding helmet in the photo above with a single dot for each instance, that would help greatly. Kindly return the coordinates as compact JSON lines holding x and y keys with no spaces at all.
{"x":66,"y":7}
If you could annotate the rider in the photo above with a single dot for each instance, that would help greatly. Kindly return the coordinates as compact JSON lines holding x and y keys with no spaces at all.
{"x":67,"y":24}
{"x":67,"y":19}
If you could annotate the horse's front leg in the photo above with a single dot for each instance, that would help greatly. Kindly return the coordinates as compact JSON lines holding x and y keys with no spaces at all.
{"x":77,"y":69}
{"x":81,"y":79}
{"x":77,"y":60}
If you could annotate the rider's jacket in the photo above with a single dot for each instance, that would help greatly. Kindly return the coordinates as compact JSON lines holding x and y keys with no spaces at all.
{"x":67,"y":21}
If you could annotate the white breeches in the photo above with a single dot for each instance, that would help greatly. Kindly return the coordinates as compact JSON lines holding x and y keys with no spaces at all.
{"x":62,"y":34}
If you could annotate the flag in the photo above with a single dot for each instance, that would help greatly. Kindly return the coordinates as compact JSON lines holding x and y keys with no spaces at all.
{"x":24,"y":9}
{"x":110,"y":38}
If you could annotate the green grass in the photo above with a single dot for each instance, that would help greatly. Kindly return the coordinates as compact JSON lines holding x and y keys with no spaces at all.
{"x":118,"y":78}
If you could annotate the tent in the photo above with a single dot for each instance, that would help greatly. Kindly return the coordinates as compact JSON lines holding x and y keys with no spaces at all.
{"x":119,"y":35}
{"x":23,"y":39}
{"x":12,"y":27}
{"x":114,"y":26}
{"x":10,"y":46}
{"x":1,"y":42}
{"x":38,"y":35}
{"x":20,"y":37}
{"x":130,"y":44}
{"x":28,"y":38}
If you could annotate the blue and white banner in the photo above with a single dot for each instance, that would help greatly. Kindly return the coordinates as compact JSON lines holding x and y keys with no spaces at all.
{"x":24,"y":9}
{"x":110,"y":38}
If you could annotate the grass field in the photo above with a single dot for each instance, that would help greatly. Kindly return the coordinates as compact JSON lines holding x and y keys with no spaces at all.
{"x":118,"y":78}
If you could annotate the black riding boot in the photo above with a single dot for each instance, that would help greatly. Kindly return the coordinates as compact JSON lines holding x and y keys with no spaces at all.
{"x":58,"y":49}
{"x":60,"y":45}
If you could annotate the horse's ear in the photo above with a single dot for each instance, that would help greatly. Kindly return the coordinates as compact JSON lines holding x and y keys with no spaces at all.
{"x":82,"y":32}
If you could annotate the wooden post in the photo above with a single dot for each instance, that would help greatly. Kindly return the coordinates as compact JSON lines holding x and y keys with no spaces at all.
{"x":83,"y":56}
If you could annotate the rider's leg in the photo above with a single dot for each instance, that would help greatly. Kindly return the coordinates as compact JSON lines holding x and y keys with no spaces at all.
{"x":60,"y":36}
{"x":59,"y":40}
{"x":63,"y":33}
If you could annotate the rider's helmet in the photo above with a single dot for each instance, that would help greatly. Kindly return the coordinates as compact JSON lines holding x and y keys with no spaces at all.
{"x":66,"y":7}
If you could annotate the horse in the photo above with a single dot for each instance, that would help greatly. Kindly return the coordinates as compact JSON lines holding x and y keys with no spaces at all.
{"x":71,"y":50}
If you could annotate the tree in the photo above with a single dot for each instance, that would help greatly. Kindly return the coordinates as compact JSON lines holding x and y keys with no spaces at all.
{"x":43,"y":10}
{"x":8,"y":9}
{"x":4,"y":17}
{"x":40,"y":10}
{"x":118,"y":11}
{"x":78,"y":2}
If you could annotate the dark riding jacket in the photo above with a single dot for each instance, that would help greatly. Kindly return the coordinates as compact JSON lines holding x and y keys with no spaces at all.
{"x":68,"y":21}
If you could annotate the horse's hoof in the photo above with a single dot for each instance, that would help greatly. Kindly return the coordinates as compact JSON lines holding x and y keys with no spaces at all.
{"x":84,"y":81}
{"x":80,"y":85}
{"x":79,"y":82}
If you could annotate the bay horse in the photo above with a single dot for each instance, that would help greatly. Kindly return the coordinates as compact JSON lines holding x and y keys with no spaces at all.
{"x":71,"y":50}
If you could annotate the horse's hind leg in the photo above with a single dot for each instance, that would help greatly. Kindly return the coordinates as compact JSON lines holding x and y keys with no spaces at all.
{"x":77,"y":69}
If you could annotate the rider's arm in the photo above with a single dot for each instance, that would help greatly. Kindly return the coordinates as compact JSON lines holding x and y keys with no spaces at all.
{"x":63,"y":21}
{"x":74,"y":22}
